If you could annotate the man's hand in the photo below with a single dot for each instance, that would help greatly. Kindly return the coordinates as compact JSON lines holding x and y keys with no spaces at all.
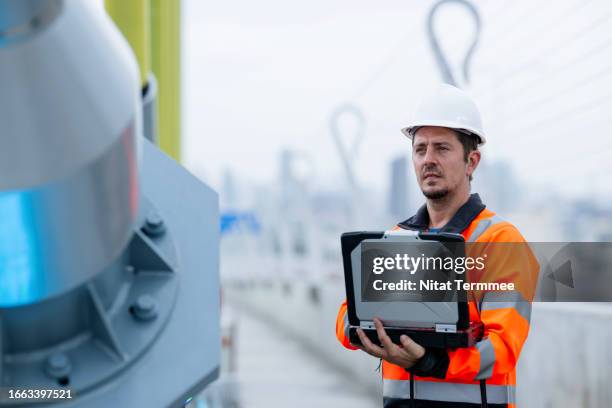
{"x":406,"y":355}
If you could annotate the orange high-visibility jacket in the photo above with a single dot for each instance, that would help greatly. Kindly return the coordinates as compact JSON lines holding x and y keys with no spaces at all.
{"x":455,"y":378}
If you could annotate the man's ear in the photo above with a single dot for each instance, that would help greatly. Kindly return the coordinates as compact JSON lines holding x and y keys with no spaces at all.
{"x":473,"y":161}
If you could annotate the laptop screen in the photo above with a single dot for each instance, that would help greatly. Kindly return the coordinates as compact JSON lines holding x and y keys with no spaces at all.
{"x":419,"y":307}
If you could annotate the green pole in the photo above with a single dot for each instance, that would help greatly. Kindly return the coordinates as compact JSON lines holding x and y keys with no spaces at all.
{"x":166,"y":64}
{"x":133,"y":17}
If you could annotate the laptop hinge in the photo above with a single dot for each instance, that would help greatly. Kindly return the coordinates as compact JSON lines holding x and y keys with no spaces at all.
{"x":446,"y":328}
{"x":366,"y":324}
{"x":401,"y":233}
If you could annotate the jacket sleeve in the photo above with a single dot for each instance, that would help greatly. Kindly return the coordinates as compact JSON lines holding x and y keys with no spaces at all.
{"x":505,"y":315}
{"x":342,"y":327}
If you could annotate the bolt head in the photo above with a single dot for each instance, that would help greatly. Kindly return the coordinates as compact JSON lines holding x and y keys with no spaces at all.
{"x":154,"y":220}
{"x":153,"y":225}
{"x":145,"y":303}
{"x":145,"y":308}
{"x":58,"y":365}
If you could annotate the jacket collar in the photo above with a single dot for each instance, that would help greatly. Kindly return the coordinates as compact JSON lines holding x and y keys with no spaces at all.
{"x":460,"y":221}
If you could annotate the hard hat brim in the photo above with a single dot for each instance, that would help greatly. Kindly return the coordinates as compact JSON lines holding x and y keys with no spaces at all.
{"x":410,"y":131}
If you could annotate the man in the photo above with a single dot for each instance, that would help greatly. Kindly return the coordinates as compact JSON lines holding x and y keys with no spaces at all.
{"x":446,"y":132}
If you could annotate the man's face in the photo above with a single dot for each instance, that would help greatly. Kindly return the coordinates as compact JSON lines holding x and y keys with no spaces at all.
{"x":439,"y":164}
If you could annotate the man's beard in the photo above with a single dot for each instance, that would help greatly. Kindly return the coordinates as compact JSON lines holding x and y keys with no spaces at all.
{"x":436,"y":194}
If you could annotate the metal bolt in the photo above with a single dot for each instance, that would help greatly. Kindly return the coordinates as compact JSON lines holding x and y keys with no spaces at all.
{"x":58,"y":365}
{"x":154,"y":225}
{"x":145,"y":308}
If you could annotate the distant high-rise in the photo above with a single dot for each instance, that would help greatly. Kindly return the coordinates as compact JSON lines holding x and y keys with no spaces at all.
{"x":398,"y":188}
{"x":229,"y":196}
{"x":497,"y":185}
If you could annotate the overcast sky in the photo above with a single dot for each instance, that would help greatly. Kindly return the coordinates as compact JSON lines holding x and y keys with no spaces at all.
{"x":263,"y":76}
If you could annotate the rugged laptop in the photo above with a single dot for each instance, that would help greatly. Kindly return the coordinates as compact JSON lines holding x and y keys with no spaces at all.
{"x":431,"y":321}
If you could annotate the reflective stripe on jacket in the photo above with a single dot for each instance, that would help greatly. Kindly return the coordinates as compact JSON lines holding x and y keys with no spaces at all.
{"x":505,"y":317}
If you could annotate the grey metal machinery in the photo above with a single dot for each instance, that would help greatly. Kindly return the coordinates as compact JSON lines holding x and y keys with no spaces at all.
{"x":109,"y":280}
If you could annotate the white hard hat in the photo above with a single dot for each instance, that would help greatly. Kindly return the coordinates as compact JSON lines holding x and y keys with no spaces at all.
{"x":449,"y":107}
